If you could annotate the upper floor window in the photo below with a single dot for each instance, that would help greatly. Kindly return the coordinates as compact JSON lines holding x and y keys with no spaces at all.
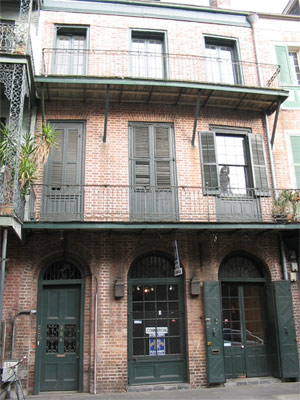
{"x":289,"y":60}
{"x":294,"y":147}
{"x":222,"y":65}
{"x":148,"y":58}
{"x":294,"y":61}
{"x":70,"y":56}
{"x":233,"y":162}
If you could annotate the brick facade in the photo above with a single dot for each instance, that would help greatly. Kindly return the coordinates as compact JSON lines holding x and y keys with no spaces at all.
{"x":107,"y":254}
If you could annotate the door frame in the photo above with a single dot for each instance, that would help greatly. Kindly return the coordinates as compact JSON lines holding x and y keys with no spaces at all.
{"x":183,"y":335}
{"x":57,"y":283}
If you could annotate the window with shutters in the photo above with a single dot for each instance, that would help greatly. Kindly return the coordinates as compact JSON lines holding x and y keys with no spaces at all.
{"x":222,"y":61}
{"x":233,"y":162}
{"x":70,"y":53}
{"x":152,"y":165}
{"x":294,"y":157}
{"x":289,"y":60}
{"x":148,"y":55}
{"x":63,"y":175}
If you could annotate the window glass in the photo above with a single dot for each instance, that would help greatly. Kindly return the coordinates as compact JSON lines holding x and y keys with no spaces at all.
{"x":295,"y":67}
{"x":219,"y":63}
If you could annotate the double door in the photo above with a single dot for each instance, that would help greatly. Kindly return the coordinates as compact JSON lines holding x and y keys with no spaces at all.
{"x":244,"y":330}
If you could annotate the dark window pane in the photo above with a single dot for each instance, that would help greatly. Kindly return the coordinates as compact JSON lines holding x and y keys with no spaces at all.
{"x":174,"y":345}
{"x":138,"y":347}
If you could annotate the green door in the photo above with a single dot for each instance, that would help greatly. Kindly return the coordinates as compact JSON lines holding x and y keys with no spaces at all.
{"x":244,"y":338}
{"x":156,"y":326}
{"x":60,"y":338}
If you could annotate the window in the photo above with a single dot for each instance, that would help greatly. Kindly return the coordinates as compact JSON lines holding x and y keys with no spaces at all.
{"x":148,"y":59}
{"x":222,"y":65}
{"x":289,"y":60}
{"x":70,"y":56}
{"x":233,"y":162}
{"x":294,"y":142}
{"x":152,"y":164}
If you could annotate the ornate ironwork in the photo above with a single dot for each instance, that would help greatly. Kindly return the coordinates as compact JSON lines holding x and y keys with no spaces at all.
{"x":52,"y":338}
{"x":240,"y":267}
{"x":70,"y":342}
{"x":152,"y":266}
{"x":62,"y":270}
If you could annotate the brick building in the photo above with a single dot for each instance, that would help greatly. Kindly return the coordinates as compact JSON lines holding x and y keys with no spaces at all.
{"x":160,"y":243}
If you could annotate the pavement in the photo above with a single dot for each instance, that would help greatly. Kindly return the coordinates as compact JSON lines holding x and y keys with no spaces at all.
{"x":241,"y":391}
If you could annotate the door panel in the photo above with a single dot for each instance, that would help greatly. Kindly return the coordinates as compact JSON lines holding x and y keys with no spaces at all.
{"x":286,"y":330}
{"x":60,"y":338}
{"x":63,"y":178}
{"x":246,"y":353}
{"x":214,"y":345}
{"x":153,"y":194}
{"x":156,"y":350}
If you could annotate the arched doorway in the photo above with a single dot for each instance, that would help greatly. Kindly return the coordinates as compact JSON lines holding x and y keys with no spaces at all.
{"x":244,"y":317}
{"x":156,"y":321}
{"x":60,"y":327}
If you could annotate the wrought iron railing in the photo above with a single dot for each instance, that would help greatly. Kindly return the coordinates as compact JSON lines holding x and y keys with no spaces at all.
{"x":14,"y":39}
{"x":117,"y":203}
{"x":168,"y":67}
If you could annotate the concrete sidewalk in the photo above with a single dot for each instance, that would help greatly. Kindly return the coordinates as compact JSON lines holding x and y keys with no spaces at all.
{"x":269,"y":391}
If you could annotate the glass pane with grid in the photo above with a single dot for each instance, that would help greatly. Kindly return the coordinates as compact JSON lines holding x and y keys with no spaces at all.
{"x":156,"y":320}
{"x":231,"y":316}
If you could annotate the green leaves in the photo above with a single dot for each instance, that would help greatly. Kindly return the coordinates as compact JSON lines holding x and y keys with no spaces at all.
{"x":33,"y":153}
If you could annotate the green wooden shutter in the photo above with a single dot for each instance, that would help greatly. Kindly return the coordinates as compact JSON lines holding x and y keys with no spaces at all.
{"x":210,"y":176}
{"x":259,"y":168}
{"x":214,"y":334}
{"x":295,"y":146}
{"x":162,"y":157}
{"x":55,"y":161}
{"x":286,"y":77}
{"x":286,"y":330}
{"x":141,"y":154}
{"x":272,"y":334}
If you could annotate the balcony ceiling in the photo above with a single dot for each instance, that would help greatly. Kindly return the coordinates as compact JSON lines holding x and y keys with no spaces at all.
{"x":230,"y":97}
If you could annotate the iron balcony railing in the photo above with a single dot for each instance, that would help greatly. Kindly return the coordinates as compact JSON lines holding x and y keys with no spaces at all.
{"x":14,"y":39}
{"x":117,"y":203}
{"x":159,"y":66}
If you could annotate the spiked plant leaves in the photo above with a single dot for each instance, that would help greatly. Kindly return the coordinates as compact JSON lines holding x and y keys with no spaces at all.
{"x":33,"y":154}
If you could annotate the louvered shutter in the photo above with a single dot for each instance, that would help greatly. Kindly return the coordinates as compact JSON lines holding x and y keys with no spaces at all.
{"x":295,"y":145}
{"x":259,"y":168}
{"x":283,"y":60}
{"x":210,"y":176}
{"x":55,"y":161}
{"x":72,"y":167}
{"x":162,"y":157}
{"x":141,"y":154}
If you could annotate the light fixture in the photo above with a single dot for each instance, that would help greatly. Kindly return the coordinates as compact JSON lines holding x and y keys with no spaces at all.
{"x":195,"y":286}
{"x":119,"y":288}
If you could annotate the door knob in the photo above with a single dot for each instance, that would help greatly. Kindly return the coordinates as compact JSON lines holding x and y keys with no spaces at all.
{"x":242,"y":346}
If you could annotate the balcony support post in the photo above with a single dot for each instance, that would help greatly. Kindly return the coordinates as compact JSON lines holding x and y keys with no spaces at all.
{"x":106,"y":112}
{"x":270,"y":153}
{"x":196,"y":116}
{"x":275,"y":123}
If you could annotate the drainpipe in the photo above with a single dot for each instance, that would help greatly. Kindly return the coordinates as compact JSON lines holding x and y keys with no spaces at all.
{"x":253,"y":18}
{"x":270,"y":153}
{"x":30,"y":312}
{"x":283,"y":258}
{"x":95,"y":336}
{"x":3,"y":262}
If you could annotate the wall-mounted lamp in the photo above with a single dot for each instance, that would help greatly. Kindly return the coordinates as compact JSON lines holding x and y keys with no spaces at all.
{"x":119,"y":288}
{"x":195,"y":286}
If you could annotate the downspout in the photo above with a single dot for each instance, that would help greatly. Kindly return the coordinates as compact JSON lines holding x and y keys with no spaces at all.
{"x":253,"y":18}
{"x":270,"y":153}
{"x":95,"y":336}
{"x":30,"y":312}
{"x":3,"y":262}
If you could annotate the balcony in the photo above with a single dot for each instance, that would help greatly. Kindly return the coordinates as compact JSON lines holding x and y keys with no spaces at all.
{"x":152,"y":78}
{"x":116,"y":203}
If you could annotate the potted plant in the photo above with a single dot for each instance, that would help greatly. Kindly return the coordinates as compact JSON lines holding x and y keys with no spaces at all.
{"x":32,"y":155}
{"x":287,"y":206}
